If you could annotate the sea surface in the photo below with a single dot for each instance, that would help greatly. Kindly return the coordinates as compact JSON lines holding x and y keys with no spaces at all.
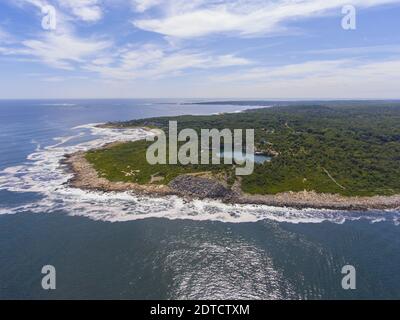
{"x":121,"y":246}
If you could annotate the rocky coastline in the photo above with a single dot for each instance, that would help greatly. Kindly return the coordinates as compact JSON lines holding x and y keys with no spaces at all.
{"x":193,"y":187}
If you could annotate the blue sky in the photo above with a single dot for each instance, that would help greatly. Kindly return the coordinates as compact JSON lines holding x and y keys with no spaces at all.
{"x":281,"y":49}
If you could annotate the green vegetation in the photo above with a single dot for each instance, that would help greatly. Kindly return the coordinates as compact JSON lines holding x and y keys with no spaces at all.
{"x":350,"y":149}
{"x":127,"y":162}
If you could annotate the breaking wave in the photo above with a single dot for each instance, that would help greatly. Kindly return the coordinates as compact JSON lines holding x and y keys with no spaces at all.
{"x":42,"y":174}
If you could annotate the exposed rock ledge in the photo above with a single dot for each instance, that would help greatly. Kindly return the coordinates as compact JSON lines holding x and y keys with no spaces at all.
{"x":189,"y":187}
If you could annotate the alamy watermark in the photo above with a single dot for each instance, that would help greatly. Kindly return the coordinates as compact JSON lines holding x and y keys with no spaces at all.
{"x":349,"y":21}
{"x":349,"y":280}
{"x":204,"y":149}
{"x":49,"y":20}
{"x":49,"y":280}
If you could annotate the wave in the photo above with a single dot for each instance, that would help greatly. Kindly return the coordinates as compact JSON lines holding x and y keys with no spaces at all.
{"x":43,"y":174}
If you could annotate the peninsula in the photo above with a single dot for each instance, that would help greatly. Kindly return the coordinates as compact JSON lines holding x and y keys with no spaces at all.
{"x":323,"y":155}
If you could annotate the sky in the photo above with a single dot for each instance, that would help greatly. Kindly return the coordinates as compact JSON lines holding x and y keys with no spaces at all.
{"x":269,"y":49}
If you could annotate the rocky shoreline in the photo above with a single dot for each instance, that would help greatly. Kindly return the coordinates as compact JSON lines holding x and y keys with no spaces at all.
{"x":192,"y":187}
{"x":86,"y":177}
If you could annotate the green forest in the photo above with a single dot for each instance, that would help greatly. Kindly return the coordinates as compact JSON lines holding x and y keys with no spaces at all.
{"x":351,"y":149}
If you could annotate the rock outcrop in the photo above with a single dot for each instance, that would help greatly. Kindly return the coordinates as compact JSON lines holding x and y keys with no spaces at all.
{"x":190,"y":187}
{"x":187,"y":185}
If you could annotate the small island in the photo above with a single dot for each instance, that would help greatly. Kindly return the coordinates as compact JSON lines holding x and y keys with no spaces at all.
{"x":331,"y":155}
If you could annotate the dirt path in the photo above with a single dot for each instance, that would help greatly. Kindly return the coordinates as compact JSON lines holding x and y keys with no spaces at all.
{"x":333,"y":179}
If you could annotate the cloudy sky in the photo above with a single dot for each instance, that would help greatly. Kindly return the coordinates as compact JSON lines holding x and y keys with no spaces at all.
{"x":278,"y":49}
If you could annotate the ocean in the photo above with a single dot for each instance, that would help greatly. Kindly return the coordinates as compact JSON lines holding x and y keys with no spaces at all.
{"x":123,"y":246}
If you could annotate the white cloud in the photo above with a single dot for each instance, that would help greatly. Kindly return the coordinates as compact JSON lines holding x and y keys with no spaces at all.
{"x":230,"y":60}
{"x":102,"y":61}
{"x":53,"y":79}
{"x":4,"y":36}
{"x":65,"y":48}
{"x":154,"y":62}
{"x":367,"y":50}
{"x":201,"y":17}
{"x":143,"y":5}
{"x":318,"y":79}
{"x":86,"y":10}
{"x":37,"y":3}
{"x":62,"y":50}
{"x":287,"y":72}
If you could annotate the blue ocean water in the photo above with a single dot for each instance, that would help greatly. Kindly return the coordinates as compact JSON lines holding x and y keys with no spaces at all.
{"x":120,"y":245}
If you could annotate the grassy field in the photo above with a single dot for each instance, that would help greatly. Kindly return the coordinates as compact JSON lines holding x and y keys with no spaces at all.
{"x":127,"y":162}
{"x":349,"y":149}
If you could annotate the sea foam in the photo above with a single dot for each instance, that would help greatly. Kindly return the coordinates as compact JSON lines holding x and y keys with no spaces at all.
{"x":43,"y":174}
